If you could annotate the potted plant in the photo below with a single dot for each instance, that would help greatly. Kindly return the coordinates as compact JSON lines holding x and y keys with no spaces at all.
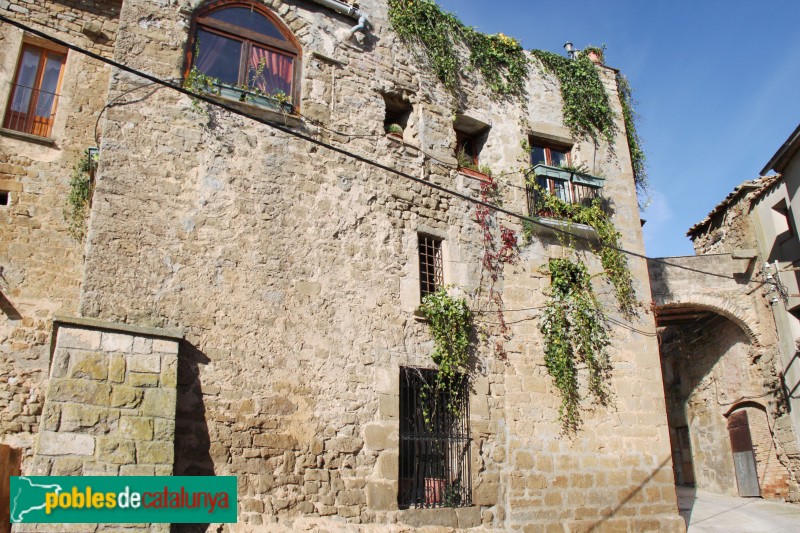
{"x":468,"y":167}
{"x":395,"y":130}
{"x":595,"y":54}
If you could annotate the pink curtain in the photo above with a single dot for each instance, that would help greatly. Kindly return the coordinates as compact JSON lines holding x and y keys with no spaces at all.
{"x":277,"y":73}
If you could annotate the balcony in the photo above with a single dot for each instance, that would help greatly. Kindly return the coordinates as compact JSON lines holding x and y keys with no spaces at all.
{"x":569,"y":186}
{"x":31,"y":111}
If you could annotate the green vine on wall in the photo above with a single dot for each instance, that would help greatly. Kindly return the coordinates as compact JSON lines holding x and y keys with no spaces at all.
{"x":443,"y":38}
{"x":587,"y":110}
{"x":450,"y":324}
{"x":81,"y":191}
{"x":575,"y":332}
{"x":615,"y":263}
{"x":630,"y":116}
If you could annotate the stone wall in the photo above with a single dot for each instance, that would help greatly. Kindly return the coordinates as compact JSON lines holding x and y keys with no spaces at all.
{"x":110,"y":407}
{"x":41,"y":265}
{"x":293,"y":270}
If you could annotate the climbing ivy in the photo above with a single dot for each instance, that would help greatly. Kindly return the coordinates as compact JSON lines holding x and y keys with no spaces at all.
{"x":615,"y":264}
{"x":629,"y":115}
{"x":81,"y":190}
{"x":587,"y":110}
{"x":575,"y":332}
{"x":450,"y":323}
{"x":442,"y":37}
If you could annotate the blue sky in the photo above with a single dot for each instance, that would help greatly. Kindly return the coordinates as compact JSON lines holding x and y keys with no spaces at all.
{"x":718,"y":86}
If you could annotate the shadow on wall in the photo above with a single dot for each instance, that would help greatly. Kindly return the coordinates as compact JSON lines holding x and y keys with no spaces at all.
{"x":192,"y":440}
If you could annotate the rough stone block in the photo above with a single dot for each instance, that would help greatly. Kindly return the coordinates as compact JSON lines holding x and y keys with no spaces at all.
{"x":429,"y":517}
{"x":142,"y":345}
{"x":159,"y":402}
{"x":79,"y":390}
{"x":141,"y":362}
{"x":169,"y":373}
{"x":389,"y":407}
{"x":67,"y":466}
{"x":468,"y":517}
{"x":75,"y":416}
{"x":126,"y":397}
{"x":51,"y":443}
{"x":117,"y":342}
{"x":387,"y":466}
{"x":344,"y":445}
{"x":382,"y":496}
{"x":137,"y":470}
{"x":142,"y":379}
{"x":311,"y":288}
{"x":166,"y":346}
{"x":116,"y":369}
{"x":83,"y":339}
{"x":378,"y":437}
{"x":163,"y":429}
{"x":136,"y":428}
{"x":90,"y":365}
{"x":60,"y":364}
{"x":117,"y":451}
{"x":155,"y":452}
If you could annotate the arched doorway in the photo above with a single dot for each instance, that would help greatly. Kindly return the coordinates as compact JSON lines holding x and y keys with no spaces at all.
{"x":714,"y":375}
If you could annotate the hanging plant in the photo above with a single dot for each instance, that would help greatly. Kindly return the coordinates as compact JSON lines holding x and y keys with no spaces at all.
{"x":587,"y":110}
{"x":575,"y":333}
{"x":630,"y":116}
{"x":615,"y":263}
{"x":450,"y":324}
{"x":81,"y":191}
{"x":442,"y":39}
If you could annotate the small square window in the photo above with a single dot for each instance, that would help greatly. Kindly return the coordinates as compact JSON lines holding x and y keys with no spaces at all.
{"x":5,"y":198}
{"x":431,"y":271}
{"x":435,"y":442}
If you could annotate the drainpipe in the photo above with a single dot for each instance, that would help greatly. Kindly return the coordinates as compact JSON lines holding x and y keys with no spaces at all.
{"x":348,"y":11}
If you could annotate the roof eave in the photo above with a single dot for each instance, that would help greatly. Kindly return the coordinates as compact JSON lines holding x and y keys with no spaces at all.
{"x":784,"y":153}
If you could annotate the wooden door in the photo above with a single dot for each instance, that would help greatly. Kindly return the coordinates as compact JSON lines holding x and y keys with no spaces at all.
{"x":9,"y":466}
{"x":744,"y":460}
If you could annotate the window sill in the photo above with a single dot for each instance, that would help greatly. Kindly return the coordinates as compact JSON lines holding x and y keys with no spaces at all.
{"x":46,"y":141}
{"x":264,"y":113}
{"x":555,"y":226}
{"x":464,"y":517}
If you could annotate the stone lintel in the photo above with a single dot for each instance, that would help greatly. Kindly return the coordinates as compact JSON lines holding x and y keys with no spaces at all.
{"x":176,"y":334}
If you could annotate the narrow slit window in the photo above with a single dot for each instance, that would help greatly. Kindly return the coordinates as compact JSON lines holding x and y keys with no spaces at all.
{"x":431,"y":271}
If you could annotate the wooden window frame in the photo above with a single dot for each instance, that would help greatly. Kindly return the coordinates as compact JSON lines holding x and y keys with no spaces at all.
{"x":290,"y":47}
{"x":548,"y":156}
{"x":31,"y":124}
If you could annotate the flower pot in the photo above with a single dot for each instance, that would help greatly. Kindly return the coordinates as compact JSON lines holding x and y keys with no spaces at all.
{"x":434,"y":490}
{"x":473,"y":173}
{"x":260,"y":100}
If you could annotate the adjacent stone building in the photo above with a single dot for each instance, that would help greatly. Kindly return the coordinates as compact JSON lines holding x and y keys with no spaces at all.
{"x":251,"y":297}
{"x":728,"y":335}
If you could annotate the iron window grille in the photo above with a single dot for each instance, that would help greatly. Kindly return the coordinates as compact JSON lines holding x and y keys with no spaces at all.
{"x":435,"y":461}
{"x":431,"y":271}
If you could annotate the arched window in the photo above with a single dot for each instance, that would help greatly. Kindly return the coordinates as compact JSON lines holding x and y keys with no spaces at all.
{"x":243,"y":44}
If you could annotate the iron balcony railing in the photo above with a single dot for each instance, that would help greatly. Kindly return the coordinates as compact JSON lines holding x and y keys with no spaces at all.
{"x":31,"y":110}
{"x":435,"y":465}
{"x":569,"y":186}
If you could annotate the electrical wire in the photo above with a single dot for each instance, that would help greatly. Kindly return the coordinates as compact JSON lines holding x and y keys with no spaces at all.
{"x":347,"y":153}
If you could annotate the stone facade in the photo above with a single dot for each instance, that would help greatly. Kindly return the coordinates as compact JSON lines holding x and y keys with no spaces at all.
{"x":294,"y":272}
{"x":41,"y":265}
{"x":721,"y":353}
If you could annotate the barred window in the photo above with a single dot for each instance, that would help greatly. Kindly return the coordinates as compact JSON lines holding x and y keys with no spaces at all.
{"x":431,"y":275}
{"x":434,"y":441}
